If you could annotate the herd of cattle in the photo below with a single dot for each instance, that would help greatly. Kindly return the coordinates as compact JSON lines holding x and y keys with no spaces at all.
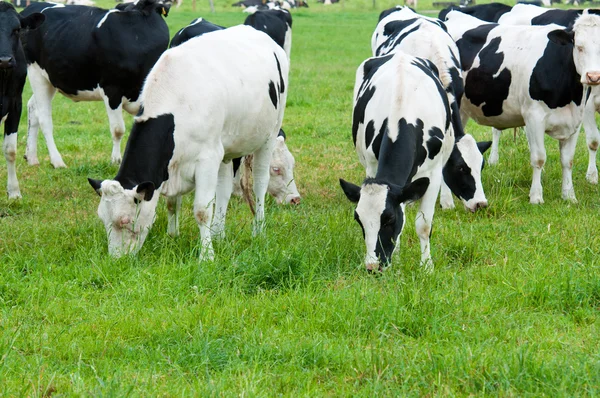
{"x":195,"y":126}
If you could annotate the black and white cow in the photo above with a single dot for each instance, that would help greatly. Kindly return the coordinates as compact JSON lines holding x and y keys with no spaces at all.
{"x":401,"y":29}
{"x":232,"y":109}
{"x":197,"y":27}
{"x":90,"y":54}
{"x":486,"y":12}
{"x":13,"y":72}
{"x":522,"y":14}
{"x":531,"y":76}
{"x":403,"y":99}
{"x":277,"y":23}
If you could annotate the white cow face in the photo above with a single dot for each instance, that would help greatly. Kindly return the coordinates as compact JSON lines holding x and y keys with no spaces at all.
{"x":585,"y":37}
{"x":127,"y":214}
{"x":281,"y":183}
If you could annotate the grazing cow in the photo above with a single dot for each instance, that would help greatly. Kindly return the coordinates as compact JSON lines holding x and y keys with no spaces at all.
{"x":197,"y":27}
{"x":531,"y":76}
{"x":401,"y":29}
{"x":402,"y":97}
{"x":486,"y":12}
{"x":532,"y":15}
{"x":232,"y":109}
{"x":282,"y":185}
{"x":263,"y":5}
{"x":90,"y":54}
{"x":277,"y":23}
{"x":13,"y":71}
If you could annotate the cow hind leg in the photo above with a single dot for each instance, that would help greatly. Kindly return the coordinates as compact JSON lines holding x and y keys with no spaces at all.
{"x":493,"y":158}
{"x":224,"y":189}
{"x":173,"y":209}
{"x":33,"y":128}
{"x":10,"y":153}
{"x":260,"y":172}
{"x":592,"y":136}
{"x":43,"y":93}
{"x":117,"y":129}
{"x":424,"y":219}
{"x":206,"y":177}
{"x":537,"y":156}
{"x":567,"y":152}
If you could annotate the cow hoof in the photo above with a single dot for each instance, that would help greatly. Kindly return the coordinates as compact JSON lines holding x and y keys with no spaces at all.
{"x":570,"y":196}
{"x":536,"y":200}
{"x":116,"y":161}
{"x":32,"y":161}
{"x":14,"y":195}
{"x":592,"y":177}
{"x":427,"y":266}
{"x":493,"y":160}
{"x":59,"y":164}
{"x":447,"y":205}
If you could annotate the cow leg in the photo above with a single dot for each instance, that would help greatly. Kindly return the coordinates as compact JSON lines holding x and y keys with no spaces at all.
{"x":537,"y":156}
{"x":117,"y":128}
{"x":43,"y":93}
{"x":206,"y":177}
{"x":10,"y":153}
{"x":173,"y":209}
{"x":592,"y":137}
{"x":493,"y":158}
{"x":33,"y":127}
{"x":260,"y":172}
{"x":224,"y":189}
{"x":567,"y":152}
{"x":424,"y":219}
{"x":446,"y":199}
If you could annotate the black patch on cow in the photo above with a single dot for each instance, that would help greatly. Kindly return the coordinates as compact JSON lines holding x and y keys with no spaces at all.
{"x":236,"y":165}
{"x":281,"y":81}
{"x":369,"y":132}
{"x":482,"y":87}
{"x":457,"y":175}
{"x":281,"y":134}
{"x":395,"y":35}
{"x":434,"y":143}
{"x":389,"y":11}
{"x":383,"y":131}
{"x":193,"y":30}
{"x":391,"y":223}
{"x":148,"y":152}
{"x":554,"y":79}
{"x":399,"y":160}
{"x":486,"y":12}
{"x":273,"y":22}
{"x":560,"y":17}
{"x":471,"y":42}
{"x":273,"y":93}
{"x":431,"y":70}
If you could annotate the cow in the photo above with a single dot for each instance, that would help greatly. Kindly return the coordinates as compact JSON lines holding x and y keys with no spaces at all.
{"x":264,"y":5}
{"x":486,"y":12}
{"x":282,"y":185}
{"x":531,"y":15}
{"x":13,"y":72}
{"x":90,"y":54}
{"x":533,"y":76}
{"x":401,"y":29}
{"x":277,"y":23}
{"x":232,"y":109}
{"x":402,"y":97}
{"x":197,"y":27}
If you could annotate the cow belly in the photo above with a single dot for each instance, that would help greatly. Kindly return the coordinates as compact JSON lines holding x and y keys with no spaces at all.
{"x":96,"y":94}
{"x":503,"y":121}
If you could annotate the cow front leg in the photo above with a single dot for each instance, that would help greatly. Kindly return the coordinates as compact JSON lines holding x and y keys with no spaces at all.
{"x":592,"y":137}
{"x":117,"y":128}
{"x":494,"y":156}
{"x":10,"y":153}
{"x":224,"y":189}
{"x":43,"y":93}
{"x":173,"y":209}
{"x":424,"y":219}
{"x":446,"y":199}
{"x":537,"y":157}
{"x":567,"y":152}
{"x":33,"y":128}
{"x":206,"y":177}
{"x":260,"y":173}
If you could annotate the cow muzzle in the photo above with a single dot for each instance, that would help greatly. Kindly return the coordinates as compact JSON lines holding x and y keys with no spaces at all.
{"x":592,"y":78}
{"x":295,"y":200}
{"x":6,"y":62}
{"x":477,"y":205}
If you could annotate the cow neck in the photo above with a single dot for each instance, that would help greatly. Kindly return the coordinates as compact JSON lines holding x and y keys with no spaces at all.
{"x":148,"y":153}
{"x":398,"y":160}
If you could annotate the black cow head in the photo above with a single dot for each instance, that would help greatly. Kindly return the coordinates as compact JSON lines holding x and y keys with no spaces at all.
{"x":11,"y":24}
{"x":146,"y":7}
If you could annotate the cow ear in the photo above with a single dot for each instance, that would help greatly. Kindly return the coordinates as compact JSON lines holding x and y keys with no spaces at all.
{"x":97,"y":185}
{"x":163,"y":9}
{"x":281,"y":134}
{"x":414,"y":191}
{"x":484,"y":146}
{"x":352,"y":191}
{"x":561,"y":37}
{"x":145,"y":191}
{"x":33,"y":21}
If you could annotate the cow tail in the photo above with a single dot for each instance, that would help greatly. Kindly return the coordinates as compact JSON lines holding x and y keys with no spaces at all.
{"x":245,"y":182}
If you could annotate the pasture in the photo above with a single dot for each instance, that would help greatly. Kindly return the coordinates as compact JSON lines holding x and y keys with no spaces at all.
{"x":511,"y":309}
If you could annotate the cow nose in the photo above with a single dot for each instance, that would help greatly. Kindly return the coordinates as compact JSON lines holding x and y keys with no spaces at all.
{"x":593,"y":78}
{"x":5,"y":62}
{"x":482,"y":205}
{"x":295,"y":200}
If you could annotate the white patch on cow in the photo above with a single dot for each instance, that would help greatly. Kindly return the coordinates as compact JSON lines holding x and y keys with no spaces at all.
{"x":10,"y":154}
{"x":106,"y":16}
{"x":196,"y":21}
{"x":54,"y":5}
{"x":370,"y":207}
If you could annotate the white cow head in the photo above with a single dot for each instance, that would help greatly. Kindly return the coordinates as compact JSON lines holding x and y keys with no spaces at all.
{"x":380,"y":213}
{"x":281,"y":183}
{"x":585,"y":37}
{"x":127,"y":214}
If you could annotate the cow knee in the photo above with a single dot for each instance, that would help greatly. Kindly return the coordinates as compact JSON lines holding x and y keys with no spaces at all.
{"x":118,"y":133}
{"x":10,"y":150}
{"x":202,"y":216}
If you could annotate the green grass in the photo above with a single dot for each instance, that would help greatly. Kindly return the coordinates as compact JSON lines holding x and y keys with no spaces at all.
{"x":512,"y":308}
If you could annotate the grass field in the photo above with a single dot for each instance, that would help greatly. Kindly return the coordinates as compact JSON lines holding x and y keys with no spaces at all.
{"x":512,"y":308}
